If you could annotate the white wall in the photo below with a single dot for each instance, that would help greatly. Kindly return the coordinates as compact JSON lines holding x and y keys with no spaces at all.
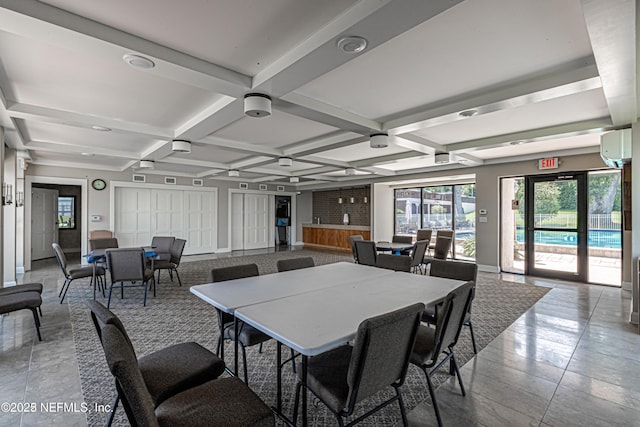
{"x":383,"y":212}
{"x":9,"y":220}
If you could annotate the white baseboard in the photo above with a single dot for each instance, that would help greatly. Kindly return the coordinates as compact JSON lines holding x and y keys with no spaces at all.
{"x":627,"y":286}
{"x":20,"y":270}
{"x":9,"y":284}
{"x":489,"y":268}
{"x":633,"y":318}
{"x":223,"y":250}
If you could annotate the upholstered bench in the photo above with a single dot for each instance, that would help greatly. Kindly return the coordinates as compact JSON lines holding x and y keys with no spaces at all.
{"x":22,"y":300}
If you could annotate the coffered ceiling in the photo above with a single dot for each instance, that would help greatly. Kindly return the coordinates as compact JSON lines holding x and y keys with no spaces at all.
{"x":485,"y":81}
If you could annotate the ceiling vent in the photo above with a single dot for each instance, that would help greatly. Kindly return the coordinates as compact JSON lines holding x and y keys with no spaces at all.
{"x":379,"y":140}
{"x":615,"y":148}
{"x":181,"y":146}
{"x":441,"y":158}
{"x":257,"y":105}
{"x":147,"y":164}
{"x":285,"y":161}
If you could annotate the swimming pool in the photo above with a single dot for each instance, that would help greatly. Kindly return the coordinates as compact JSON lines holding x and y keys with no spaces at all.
{"x":597,"y":238}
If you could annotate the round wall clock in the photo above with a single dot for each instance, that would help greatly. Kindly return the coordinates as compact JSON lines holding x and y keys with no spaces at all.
{"x":99,"y":184}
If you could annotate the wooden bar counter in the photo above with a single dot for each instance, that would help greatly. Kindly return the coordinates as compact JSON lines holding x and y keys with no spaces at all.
{"x":332,"y":236}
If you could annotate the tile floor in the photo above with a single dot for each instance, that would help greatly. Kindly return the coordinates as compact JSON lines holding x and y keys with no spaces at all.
{"x":572,"y":359}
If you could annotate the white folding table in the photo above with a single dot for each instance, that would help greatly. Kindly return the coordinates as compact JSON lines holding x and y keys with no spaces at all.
{"x":230,"y":295}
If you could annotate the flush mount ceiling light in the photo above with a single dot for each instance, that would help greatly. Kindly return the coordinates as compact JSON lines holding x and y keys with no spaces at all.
{"x":285,"y":161}
{"x":257,"y":105}
{"x":181,"y":146}
{"x":147,"y":164}
{"x":350,"y":171}
{"x":441,"y":158}
{"x":137,"y":61}
{"x":378,"y":140}
{"x":234,"y":172}
{"x":101,"y":128}
{"x":294,"y":179}
{"x":468,"y":113}
{"x":352,"y":44}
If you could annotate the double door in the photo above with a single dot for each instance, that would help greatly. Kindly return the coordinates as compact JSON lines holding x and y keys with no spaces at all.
{"x":252,"y":221}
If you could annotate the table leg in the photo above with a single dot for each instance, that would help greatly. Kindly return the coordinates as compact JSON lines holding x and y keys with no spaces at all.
{"x":235,"y":344}
{"x":304,"y":391}
{"x":279,"y":376}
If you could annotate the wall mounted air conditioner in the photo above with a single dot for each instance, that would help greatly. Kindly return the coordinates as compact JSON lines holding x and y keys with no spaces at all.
{"x":615,"y":148}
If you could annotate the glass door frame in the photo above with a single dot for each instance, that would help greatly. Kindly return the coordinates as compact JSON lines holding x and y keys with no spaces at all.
{"x":581,"y":231}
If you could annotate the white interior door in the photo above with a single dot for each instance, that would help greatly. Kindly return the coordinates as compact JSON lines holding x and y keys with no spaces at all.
{"x":167,"y":213}
{"x":44,"y":222}
{"x":133,"y":217}
{"x":237,"y":221}
{"x":200,"y":213}
{"x":259,"y":212}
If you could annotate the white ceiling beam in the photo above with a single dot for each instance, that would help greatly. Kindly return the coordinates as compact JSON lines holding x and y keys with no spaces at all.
{"x":37,"y":20}
{"x":417,"y":143}
{"x":85,"y":121}
{"x":327,"y":162}
{"x":63,"y":147}
{"x":195,"y":162}
{"x":612,"y":28}
{"x":574,"y":77}
{"x":74,"y":165}
{"x":377,"y":22}
{"x":221,"y":113}
{"x":541,"y":134}
{"x":381,"y":160}
{"x":378,"y":171}
{"x":251,"y":161}
{"x":241,"y":147}
{"x":323,"y":143}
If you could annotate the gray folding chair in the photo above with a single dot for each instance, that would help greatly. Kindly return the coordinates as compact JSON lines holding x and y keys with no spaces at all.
{"x":402,"y":239}
{"x":168,"y":371}
{"x":457,"y":270}
{"x":71,"y":274}
{"x":352,"y":242}
{"x":220,"y":402}
{"x":129,"y":265}
{"x":171,"y":264}
{"x":247,"y":334}
{"x":394,"y":262}
{"x":295,"y":263}
{"x":162,"y":246}
{"x":103,"y":243}
{"x":417,"y":256}
{"x":366,"y":250}
{"x":432,"y":342}
{"x":379,"y":358}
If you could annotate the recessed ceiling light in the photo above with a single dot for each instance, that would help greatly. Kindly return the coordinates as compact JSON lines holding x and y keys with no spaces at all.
{"x":137,"y":61}
{"x":86,"y":154}
{"x":468,"y":113}
{"x":101,"y":128}
{"x":352,"y":44}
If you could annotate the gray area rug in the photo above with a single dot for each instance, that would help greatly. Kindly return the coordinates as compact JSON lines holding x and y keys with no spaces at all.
{"x":175,"y":315}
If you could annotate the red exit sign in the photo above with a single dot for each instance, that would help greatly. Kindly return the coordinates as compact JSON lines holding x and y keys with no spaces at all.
{"x":550,"y":163}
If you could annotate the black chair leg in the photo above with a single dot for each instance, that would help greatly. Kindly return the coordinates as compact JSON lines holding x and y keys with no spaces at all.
{"x":178,"y":276}
{"x":110,"y":292}
{"x":64,"y":294}
{"x":37,"y":322}
{"x":244,"y":365}
{"x":112,"y":413}
{"x":405,"y":422}
{"x":432,"y":392}
{"x":473,"y":337}
{"x":146,"y":286}
{"x":296,"y":402}
{"x":457,"y":371}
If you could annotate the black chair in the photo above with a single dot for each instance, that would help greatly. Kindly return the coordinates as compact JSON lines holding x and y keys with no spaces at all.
{"x":162,"y":246}
{"x":165,"y":372}
{"x":220,"y":402}
{"x":129,"y":265}
{"x":173,"y":262}
{"x":440,"y":250}
{"x":379,"y":358}
{"x":442,"y":234}
{"x":247,"y":334}
{"x":456,"y":270}
{"x":352,"y":242}
{"x":402,"y":239}
{"x":295,"y":263}
{"x":394,"y":262}
{"x":104,"y":243}
{"x":366,"y":251}
{"x":71,"y":274}
{"x":27,"y":300}
{"x":417,"y":256}
{"x":432,"y":342}
{"x":424,"y":234}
